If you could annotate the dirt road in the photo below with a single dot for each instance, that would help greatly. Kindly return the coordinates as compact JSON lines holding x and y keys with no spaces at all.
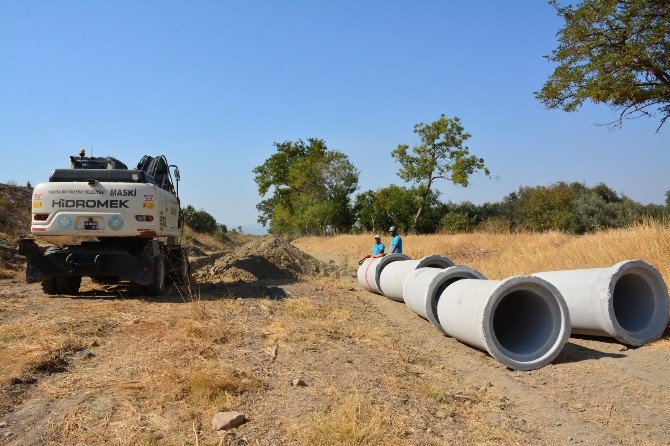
{"x":102,"y":368}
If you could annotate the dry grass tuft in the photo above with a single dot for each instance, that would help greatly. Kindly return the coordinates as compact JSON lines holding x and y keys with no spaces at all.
{"x":214,"y":387}
{"x":350,"y":421}
{"x":314,"y":321}
{"x":39,"y":347}
{"x":7,"y":273}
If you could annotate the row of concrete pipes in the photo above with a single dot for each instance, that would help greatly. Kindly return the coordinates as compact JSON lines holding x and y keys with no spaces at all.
{"x":524,"y":321}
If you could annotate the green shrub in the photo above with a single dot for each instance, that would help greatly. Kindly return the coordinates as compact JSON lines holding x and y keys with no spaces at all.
{"x":496,"y":225}
{"x":199,"y":221}
{"x":458,"y":221}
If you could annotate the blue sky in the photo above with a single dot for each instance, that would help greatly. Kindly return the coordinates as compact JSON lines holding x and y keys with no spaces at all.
{"x":212,"y":84}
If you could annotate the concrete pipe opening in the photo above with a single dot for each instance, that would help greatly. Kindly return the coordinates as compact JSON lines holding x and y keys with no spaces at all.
{"x":633,"y":303}
{"x":528,"y":325}
{"x":523,"y":323}
{"x":639,"y":302}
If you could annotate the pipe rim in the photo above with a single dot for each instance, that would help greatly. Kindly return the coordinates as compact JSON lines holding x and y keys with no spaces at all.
{"x":435,"y":290}
{"x":658,"y":321}
{"x":560,"y":331}
{"x":389,"y":258}
{"x":435,"y":262}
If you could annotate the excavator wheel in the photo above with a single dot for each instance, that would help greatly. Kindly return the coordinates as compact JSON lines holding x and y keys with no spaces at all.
{"x":68,"y":285}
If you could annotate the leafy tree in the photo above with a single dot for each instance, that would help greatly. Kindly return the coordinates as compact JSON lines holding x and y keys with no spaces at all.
{"x":593,"y":213}
{"x":549,"y":208}
{"x":458,"y":221}
{"x":365,"y":211}
{"x":222,"y":228}
{"x":308,"y":188}
{"x":606,"y":194}
{"x":667,"y":198}
{"x":495,"y":225}
{"x":199,"y":221}
{"x":396,"y":206}
{"x":440,"y":155}
{"x":615,"y":52}
{"x":511,"y":210}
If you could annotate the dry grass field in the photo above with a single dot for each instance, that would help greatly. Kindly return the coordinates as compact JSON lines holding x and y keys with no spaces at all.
{"x":504,"y":255}
{"x":103,"y":368}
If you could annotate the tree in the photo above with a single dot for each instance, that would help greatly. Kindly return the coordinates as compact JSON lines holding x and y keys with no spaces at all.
{"x":396,"y":206}
{"x":199,"y":221}
{"x":593,"y":213}
{"x":458,"y":221}
{"x":667,"y":198}
{"x":549,"y":208}
{"x":615,"y":52}
{"x":441,"y":155}
{"x":308,"y":188}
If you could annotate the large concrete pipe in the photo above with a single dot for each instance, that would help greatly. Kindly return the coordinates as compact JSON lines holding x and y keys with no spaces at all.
{"x":393,"y":277}
{"x":523,"y":321}
{"x":628,"y":301}
{"x":370,"y":270}
{"x":424,"y":286}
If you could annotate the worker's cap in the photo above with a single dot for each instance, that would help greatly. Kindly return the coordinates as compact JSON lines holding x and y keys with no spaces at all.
{"x":392,"y":228}
{"x":378,"y":237}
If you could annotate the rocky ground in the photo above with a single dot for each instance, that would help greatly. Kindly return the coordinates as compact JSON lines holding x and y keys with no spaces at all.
{"x":308,"y":357}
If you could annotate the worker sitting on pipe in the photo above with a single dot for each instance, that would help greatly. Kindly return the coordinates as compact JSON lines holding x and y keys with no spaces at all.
{"x":396,"y":241}
{"x":378,"y":249}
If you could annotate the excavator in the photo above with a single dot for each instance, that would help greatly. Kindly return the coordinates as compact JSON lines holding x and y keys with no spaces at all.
{"x":125,"y":225}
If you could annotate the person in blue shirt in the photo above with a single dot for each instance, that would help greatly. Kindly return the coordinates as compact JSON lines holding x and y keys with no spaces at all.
{"x":396,"y":241}
{"x":378,"y":248}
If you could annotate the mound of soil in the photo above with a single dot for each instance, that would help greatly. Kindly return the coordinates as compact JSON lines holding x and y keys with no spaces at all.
{"x":14,"y":211}
{"x":263,"y":258}
{"x":14,"y":223}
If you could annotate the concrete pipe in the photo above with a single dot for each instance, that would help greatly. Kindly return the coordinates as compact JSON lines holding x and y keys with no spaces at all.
{"x":424,"y":286}
{"x":370,"y":270}
{"x":523,"y":321}
{"x":628,"y":301}
{"x":393,"y":277}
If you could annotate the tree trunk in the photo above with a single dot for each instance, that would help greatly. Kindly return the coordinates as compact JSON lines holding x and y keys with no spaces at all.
{"x":422,"y":205}
{"x":415,"y":224}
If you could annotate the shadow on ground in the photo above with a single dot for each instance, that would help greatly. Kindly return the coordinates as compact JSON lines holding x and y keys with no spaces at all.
{"x":260,"y":289}
{"x":576,"y":353}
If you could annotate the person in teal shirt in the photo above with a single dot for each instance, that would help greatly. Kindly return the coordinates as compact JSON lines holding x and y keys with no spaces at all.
{"x":378,"y":248}
{"x":396,"y":241}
